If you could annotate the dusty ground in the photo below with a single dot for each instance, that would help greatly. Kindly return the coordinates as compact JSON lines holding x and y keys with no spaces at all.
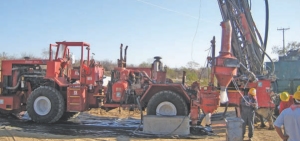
{"x":101,"y":126}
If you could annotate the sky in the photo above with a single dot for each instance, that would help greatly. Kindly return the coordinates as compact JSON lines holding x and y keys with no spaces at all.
{"x":150,"y":28}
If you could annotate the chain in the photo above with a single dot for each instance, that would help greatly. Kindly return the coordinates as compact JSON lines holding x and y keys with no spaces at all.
{"x":237,"y":88}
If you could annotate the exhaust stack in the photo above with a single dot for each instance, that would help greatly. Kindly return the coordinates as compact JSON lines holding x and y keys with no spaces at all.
{"x":120,"y":64}
{"x":125,"y":56}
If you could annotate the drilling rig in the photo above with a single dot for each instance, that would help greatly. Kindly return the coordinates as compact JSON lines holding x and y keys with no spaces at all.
{"x":240,"y":64}
{"x":238,"y":68}
{"x":51,"y":90}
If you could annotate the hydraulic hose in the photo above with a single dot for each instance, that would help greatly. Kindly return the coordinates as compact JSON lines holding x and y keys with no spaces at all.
{"x":14,"y":87}
{"x":19,"y":80}
{"x":225,"y":110}
{"x":266,"y":29}
{"x":140,"y":108}
{"x":146,"y":75}
{"x":273,"y":67}
{"x":263,"y":50}
{"x":266,"y":26}
{"x":248,"y":71}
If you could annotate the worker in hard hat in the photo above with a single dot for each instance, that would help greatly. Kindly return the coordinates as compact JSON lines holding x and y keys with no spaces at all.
{"x":298,"y":88}
{"x":248,"y":108}
{"x":286,"y":101}
{"x":290,"y":118}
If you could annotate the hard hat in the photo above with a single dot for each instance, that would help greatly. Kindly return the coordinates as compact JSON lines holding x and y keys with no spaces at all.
{"x":298,"y":88}
{"x":297,"y":95}
{"x":284,"y":96}
{"x":252,"y":92}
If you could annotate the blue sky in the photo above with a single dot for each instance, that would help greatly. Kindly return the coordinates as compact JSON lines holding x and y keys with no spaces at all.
{"x":149,"y":27}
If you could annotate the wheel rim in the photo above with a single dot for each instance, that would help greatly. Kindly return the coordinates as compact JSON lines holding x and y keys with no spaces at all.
{"x":166,"y":108}
{"x":42,"y":105}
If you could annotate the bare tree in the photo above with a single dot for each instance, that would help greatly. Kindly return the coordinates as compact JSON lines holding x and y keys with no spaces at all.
{"x":108,"y":64}
{"x":30,"y":55}
{"x":46,"y":52}
{"x":192,"y":65}
{"x":3,"y":55}
{"x":145,"y":64}
{"x":290,"y":47}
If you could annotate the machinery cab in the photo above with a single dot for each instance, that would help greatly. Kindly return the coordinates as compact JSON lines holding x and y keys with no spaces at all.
{"x":61,"y":69}
{"x":79,"y":83}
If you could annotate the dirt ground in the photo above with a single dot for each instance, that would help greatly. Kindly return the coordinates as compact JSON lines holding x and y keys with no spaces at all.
{"x":15,"y":130}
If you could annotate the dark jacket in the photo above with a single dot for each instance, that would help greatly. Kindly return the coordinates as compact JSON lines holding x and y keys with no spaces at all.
{"x":246,"y":107}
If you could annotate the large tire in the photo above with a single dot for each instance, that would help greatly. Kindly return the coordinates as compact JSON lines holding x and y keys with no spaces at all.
{"x":67,"y":115}
{"x":167,"y":103}
{"x":45,"y":105}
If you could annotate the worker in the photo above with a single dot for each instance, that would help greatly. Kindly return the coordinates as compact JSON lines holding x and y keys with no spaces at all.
{"x":85,"y":67}
{"x":286,"y":101}
{"x":207,"y":119}
{"x":248,"y":107}
{"x":290,"y":118}
{"x":208,"y":124}
{"x":298,"y":88}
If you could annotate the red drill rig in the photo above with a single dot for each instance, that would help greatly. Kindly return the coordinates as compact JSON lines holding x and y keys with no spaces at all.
{"x":239,"y":66}
{"x":51,"y":90}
